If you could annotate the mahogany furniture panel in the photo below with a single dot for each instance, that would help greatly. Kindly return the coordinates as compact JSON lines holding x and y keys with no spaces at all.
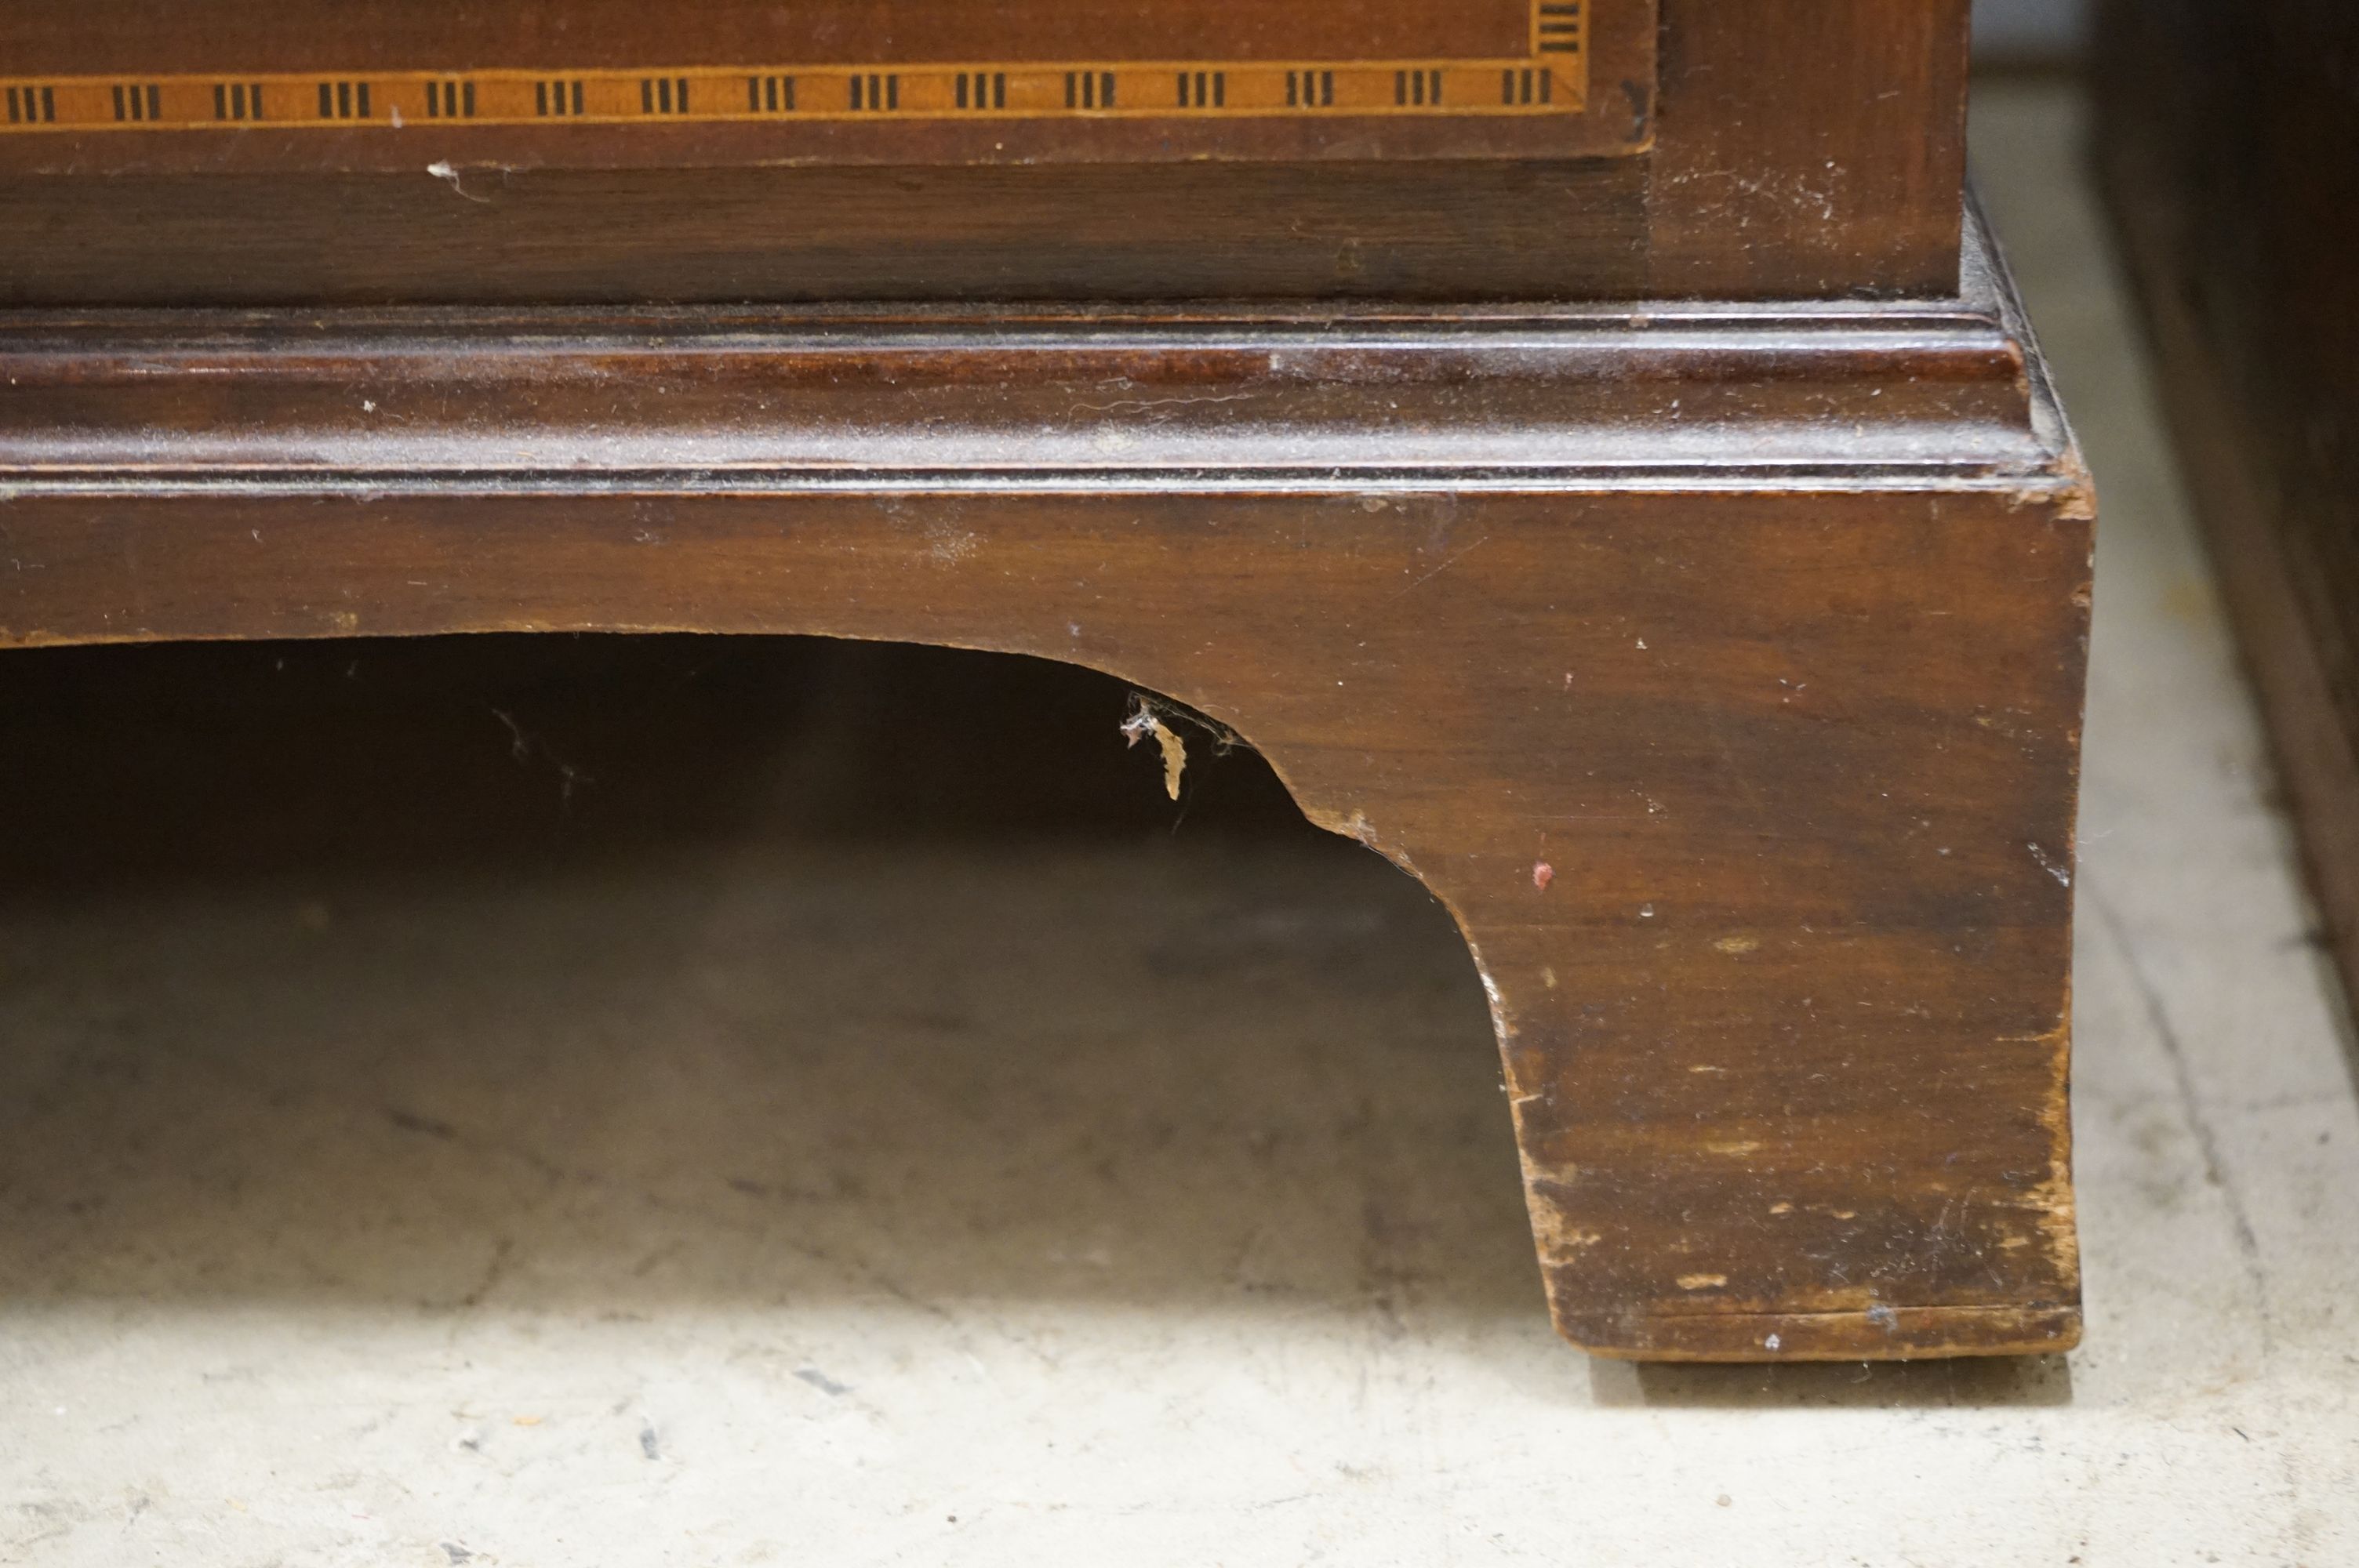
{"x":1699,"y":148}
{"x":1718,"y":665}
{"x":1714,"y":654}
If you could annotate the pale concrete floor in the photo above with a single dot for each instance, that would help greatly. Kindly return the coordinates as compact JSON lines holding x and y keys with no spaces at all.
{"x":1145,"y":1206}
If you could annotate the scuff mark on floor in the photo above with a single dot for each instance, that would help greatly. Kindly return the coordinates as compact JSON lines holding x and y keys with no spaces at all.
{"x":822,"y":1381}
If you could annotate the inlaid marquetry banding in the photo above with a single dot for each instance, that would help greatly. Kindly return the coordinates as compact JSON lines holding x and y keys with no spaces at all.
{"x":1550,"y":79}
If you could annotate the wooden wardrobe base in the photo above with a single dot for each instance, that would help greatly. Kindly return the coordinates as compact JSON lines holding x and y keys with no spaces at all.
{"x":1719,"y":666}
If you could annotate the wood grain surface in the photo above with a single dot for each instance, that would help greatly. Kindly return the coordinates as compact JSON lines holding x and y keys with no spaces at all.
{"x":827,"y":81}
{"x":1768,"y":151}
{"x":1720,"y":667}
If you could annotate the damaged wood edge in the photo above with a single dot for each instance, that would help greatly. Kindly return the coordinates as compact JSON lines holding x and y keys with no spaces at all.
{"x":1876,"y":1334}
{"x":1894,"y":1333}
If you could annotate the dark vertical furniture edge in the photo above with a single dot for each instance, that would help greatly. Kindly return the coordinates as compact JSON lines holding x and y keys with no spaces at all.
{"x":2228,"y":143}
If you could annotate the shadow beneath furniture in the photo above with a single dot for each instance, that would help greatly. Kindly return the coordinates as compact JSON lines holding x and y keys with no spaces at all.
{"x":631,"y":977}
{"x":215,"y":764}
{"x":1973,"y":1383}
{"x":657,"y":972}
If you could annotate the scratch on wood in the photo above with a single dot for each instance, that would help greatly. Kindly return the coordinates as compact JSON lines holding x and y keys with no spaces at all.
{"x":449,"y":176}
